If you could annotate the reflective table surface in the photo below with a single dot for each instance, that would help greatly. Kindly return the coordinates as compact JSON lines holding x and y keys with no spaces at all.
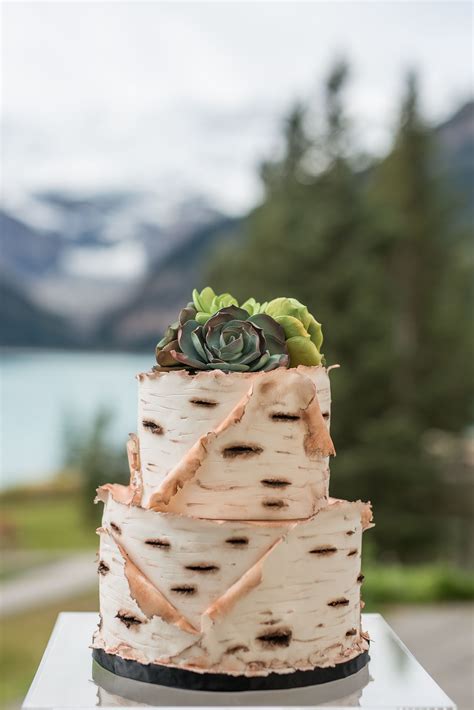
{"x":67,"y":678}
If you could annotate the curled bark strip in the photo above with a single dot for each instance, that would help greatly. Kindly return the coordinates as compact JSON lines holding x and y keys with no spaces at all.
{"x":152,"y":427}
{"x":121,"y":494}
{"x":366,"y":516}
{"x":239,"y":589}
{"x":278,"y":637}
{"x":150,"y":600}
{"x":317,"y":440}
{"x":133,"y":452}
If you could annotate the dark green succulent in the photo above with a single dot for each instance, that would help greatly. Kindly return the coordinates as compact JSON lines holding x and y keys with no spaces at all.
{"x":170,"y":339}
{"x":230,"y":340}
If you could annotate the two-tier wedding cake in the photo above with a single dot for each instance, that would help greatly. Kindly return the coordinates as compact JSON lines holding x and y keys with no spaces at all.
{"x":224,"y":564}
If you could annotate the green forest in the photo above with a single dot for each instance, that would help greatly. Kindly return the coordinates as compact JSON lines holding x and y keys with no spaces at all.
{"x":377,"y":251}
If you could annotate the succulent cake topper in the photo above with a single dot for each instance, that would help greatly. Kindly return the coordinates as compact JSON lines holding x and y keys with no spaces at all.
{"x":214,"y":332}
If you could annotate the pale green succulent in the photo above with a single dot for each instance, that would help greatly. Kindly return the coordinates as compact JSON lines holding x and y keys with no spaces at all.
{"x":207,"y":303}
{"x":303,"y":333}
{"x":253,"y":307}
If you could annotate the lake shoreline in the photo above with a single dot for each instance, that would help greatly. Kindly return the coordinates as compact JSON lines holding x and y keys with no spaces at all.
{"x":46,"y":394}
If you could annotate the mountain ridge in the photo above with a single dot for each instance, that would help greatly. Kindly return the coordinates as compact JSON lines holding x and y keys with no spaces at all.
{"x":176,"y":251}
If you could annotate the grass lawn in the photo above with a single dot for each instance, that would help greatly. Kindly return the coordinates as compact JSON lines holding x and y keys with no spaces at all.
{"x":23,"y":640}
{"x":46,"y":523}
{"x":421,"y":584}
{"x":14,"y":562}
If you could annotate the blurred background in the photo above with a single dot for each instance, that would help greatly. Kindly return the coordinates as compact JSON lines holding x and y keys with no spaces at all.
{"x":317,"y":150}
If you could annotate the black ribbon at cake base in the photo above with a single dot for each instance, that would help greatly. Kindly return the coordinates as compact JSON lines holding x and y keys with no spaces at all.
{"x":222,"y":682}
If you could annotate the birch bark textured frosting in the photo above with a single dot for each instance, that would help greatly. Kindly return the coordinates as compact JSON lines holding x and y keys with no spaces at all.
{"x":196,"y":572}
{"x":202,"y":454}
{"x":225,"y":554}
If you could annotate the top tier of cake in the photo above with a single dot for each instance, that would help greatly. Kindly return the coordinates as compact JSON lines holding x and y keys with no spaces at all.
{"x":234,"y":446}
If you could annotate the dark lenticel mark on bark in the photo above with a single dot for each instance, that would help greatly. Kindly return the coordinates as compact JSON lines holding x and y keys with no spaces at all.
{"x":202,"y":567}
{"x":236,"y":649}
{"x":360,"y":578}
{"x":339,"y":602}
{"x":284,"y":417}
{"x":116,"y":528}
{"x":204,"y":402}
{"x":237,"y":541}
{"x":128,"y":619}
{"x":274,"y":504}
{"x":152,"y":427}
{"x":278,"y":637}
{"x":351,"y":632}
{"x":187,"y":589}
{"x":275,"y":482}
{"x":352,"y":552}
{"x":325,"y":415}
{"x":156,"y":542}
{"x":323,"y":551}
{"x":103,"y":568}
{"x":241,"y":450}
{"x":350,"y":532}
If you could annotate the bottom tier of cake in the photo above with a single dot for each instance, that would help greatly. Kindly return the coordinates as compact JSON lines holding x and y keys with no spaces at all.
{"x":228,"y":597}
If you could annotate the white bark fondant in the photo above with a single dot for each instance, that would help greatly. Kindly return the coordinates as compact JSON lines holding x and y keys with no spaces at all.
{"x":225,"y":554}
{"x":237,"y":447}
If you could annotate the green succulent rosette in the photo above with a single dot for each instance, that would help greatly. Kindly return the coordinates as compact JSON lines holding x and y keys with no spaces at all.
{"x":303,"y":333}
{"x":214,"y":332}
{"x":233,"y":341}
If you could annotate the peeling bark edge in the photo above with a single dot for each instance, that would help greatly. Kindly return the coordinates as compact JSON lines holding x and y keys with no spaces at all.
{"x":149,"y":599}
{"x":250,"y":579}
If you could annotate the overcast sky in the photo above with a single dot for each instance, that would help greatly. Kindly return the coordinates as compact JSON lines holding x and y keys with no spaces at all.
{"x":173,"y":96}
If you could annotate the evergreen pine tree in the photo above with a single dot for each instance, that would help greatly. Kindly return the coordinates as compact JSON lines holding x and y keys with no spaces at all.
{"x":372,"y":257}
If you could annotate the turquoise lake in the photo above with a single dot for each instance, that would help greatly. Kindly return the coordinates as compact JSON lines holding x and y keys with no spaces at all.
{"x":43,"y":392}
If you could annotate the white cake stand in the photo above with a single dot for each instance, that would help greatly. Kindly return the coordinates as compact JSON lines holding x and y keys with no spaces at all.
{"x":68,"y":679}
